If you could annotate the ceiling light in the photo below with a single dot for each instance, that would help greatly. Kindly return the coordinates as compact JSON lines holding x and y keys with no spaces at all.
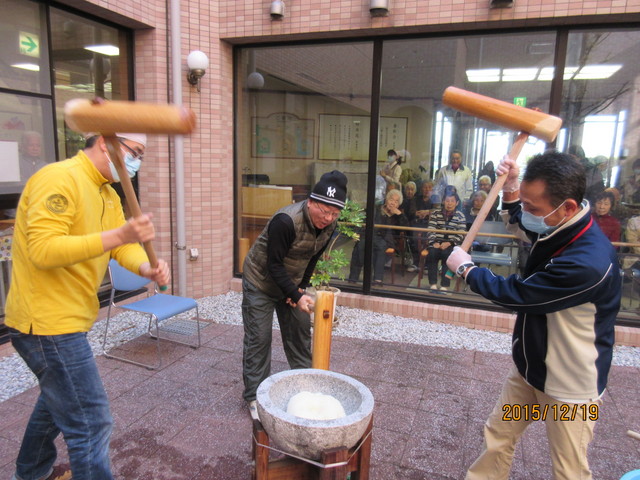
{"x":484,"y":75}
{"x":569,"y":72}
{"x":27,"y":66}
{"x":108,"y":50}
{"x":596,"y":72}
{"x":519,"y":74}
{"x":546,"y":74}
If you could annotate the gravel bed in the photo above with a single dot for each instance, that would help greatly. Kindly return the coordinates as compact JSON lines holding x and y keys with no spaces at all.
{"x":15,"y":377}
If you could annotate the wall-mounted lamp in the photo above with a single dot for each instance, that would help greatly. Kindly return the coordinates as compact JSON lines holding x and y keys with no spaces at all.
{"x":501,"y":4}
{"x":277,"y":10}
{"x":379,"y":8}
{"x":198,"y":62}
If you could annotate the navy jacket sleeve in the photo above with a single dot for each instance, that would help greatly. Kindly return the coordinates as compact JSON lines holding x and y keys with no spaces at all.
{"x":562,"y":283}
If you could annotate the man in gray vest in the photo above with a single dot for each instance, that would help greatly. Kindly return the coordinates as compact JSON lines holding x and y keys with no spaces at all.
{"x":276,"y":271}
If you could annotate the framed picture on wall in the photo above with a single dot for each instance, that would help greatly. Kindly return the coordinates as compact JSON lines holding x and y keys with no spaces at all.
{"x":282,"y":135}
{"x":346,"y":137}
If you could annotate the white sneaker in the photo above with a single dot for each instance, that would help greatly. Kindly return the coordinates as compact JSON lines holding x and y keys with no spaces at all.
{"x":444,"y":288}
{"x":253,"y":409}
{"x":433,"y":287}
{"x":412,"y":268}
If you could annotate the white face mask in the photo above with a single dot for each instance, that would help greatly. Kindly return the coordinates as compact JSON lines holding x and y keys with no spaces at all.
{"x":537,"y":224}
{"x":131,"y":164}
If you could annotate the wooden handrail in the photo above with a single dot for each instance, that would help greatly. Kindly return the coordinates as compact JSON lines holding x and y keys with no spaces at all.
{"x":483,"y":234}
{"x":436,"y":230}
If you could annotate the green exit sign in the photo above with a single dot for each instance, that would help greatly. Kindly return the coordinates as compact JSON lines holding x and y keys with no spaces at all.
{"x":29,"y":44}
{"x":520,"y":101}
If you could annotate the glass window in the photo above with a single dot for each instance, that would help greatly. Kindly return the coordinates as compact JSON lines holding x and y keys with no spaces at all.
{"x":303,"y":111}
{"x":600,"y":111}
{"x":26,"y":142}
{"x":415,"y":74}
{"x":599,"y":106}
{"x":23,"y":47}
{"x":90,"y":60}
{"x":285,"y":93}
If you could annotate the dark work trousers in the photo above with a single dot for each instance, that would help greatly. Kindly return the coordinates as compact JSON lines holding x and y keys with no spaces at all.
{"x":257,"y":317}
{"x":379,"y":259}
{"x":436,"y":255}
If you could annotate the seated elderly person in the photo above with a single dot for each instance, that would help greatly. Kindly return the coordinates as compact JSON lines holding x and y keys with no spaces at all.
{"x":384,"y":239}
{"x":425,"y":202}
{"x":609,"y":224}
{"x":484,"y":184}
{"x":409,"y":204}
{"x":471,"y":212}
{"x":440,"y":245}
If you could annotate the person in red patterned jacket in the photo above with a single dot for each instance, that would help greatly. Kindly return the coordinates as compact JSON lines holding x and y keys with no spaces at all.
{"x":609,"y":224}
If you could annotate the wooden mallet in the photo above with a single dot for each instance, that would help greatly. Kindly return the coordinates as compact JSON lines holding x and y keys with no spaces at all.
{"x":524,"y":120}
{"x":108,"y":117}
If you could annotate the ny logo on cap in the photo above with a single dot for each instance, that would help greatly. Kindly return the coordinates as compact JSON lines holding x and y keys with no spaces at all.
{"x":331,"y":192}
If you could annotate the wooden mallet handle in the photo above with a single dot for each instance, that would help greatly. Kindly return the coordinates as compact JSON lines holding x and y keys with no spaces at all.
{"x":633,"y":434}
{"x":516,"y":148}
{"x":115,"y":153}
{"x":526,"y":120}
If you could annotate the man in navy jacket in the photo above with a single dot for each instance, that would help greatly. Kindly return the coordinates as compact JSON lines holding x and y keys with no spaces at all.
{"x":566,"y":304}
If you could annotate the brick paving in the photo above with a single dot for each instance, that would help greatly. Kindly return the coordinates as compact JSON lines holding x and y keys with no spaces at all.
{"x":188,"y":421}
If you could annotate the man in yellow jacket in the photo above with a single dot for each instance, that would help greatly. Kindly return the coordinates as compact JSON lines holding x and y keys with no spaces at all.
{"x":69,"y":223}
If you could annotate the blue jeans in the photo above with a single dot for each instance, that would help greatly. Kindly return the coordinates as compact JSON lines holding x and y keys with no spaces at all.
{"x":72,"y":401}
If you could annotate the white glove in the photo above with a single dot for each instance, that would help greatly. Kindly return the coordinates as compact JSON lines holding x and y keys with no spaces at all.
{"x":510,"y":168}
{"x":458,"y":257}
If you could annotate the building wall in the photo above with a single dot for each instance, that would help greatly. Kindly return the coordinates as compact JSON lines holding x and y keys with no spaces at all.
{"x":214,"y":27}
{"x":251,"y":18}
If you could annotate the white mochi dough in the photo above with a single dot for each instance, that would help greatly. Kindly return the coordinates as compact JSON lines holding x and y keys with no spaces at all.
{"x":315,"y":406}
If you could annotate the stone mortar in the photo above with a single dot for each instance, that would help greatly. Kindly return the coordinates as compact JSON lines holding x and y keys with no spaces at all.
{"x":305,"y":437}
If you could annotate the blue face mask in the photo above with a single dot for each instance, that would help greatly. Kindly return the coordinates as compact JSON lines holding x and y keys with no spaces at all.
{"x":537,"y":224}
{"x":131,"y":164}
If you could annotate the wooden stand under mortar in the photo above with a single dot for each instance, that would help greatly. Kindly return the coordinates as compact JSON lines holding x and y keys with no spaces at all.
{"x":289,"y":468}
{"x":356,"y":459}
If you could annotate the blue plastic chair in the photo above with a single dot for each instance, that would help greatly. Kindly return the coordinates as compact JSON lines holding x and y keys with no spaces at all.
{"x":633,"y":475}
{"x":158,"y":306}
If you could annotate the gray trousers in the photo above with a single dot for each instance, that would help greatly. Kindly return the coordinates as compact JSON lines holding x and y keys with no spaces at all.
{"x":257,"y":317}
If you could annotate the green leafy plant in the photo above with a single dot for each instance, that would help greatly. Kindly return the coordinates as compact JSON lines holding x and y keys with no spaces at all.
{"x":333,"y":261}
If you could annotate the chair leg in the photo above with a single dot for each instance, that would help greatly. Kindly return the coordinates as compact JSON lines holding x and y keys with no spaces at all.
{"x":153,"y":320}
{"x":423,"y":259}
{"x":133,"y":362}
{"x":402,"y":252}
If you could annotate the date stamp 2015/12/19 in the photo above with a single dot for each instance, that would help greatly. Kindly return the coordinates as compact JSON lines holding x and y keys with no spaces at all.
{"x":563,"y":412}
